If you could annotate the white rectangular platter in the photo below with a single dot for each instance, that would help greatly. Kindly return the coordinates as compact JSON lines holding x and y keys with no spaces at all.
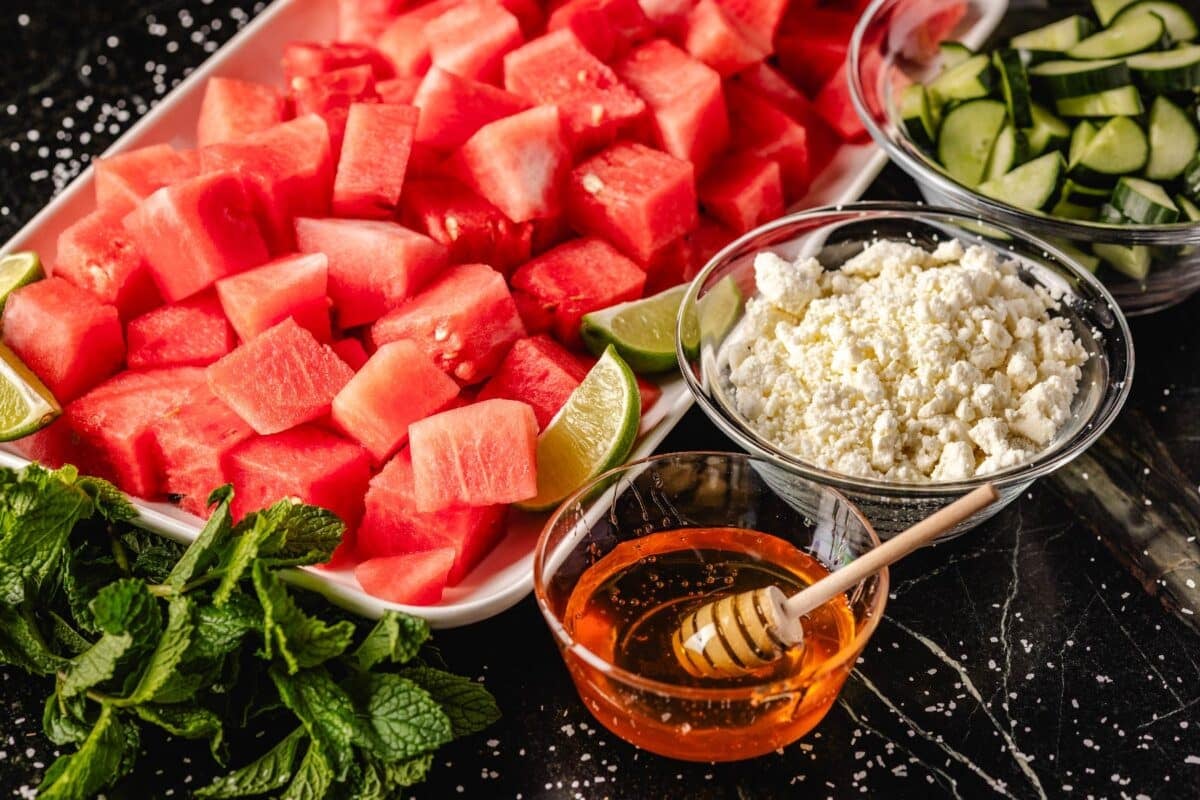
{"x":506,"y":575}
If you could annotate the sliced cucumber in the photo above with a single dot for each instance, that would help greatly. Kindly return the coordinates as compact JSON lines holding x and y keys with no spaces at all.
{"x":1076,"y":78}
{"x":1173,"y":140}
{"x":1010,"y":151}
{"x":1047,"y":132}
{"x":1131,"y":261}
{"x":1082,"y":195}
{"x":1190,"y":211}
{"x":1057,"y":36}
{"x":917,"y":116}
{"x":1014,"y":86}
{"x":966,"y":138}
{"x":1132,"y":35}
{"x":1111,"y":215}
{"x":1191,"y":178}
{"x":1081,"y":137}
{"x":1031,"y":58}
{"x":954,"y":53}
{"x":1086,"y":260}
{"x":1180,"y":25}
{"x":1121,"y":102}
{"x":1031,"y":186}
{"x":1065,"y":209}
{"x":1107,"y":10}
{"x":1144,"y":202}
{"x":1169,"y":71}
{"x":1118,"y":148}
{"x":971,"y":79}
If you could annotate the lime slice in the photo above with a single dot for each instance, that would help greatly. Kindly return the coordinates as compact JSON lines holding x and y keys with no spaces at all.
{"x":715,"y":314}
{"x":26,"y":405}
{"x":16,"y":270}
{"x":643,"y":331}
{"x":592,"y":433}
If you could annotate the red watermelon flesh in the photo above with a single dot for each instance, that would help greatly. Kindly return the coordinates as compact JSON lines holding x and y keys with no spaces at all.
{"x":192,"y":440}
{"x":392,"y":525}
{"x":51,"y":446}
{"x":196,"y":232}
{"x":665,"y":269}
{"x":306,"y":59}
{"x":279,"y":379}
{"x":453,"y":108}
{"x":370,"y":172}
{"x":761,"y":16}
{"x":363,"y":20}
{"x":517,"y":163}
{"x":550,"y":232}
{"x":466,"y":319}
{"x":290,"y":167}
{"x":261,"y":298}
{"x":373,"y":265}
{"x":669,"y":16}
{"x":769,"y":133}
{"x":555,"y":69}
{"x":637,"y":198}
{"x":191,"y":333}
{"x":472,"y":229}
{"x":743,"y":191}
{"x":399,"y":385}
{"x":404,"y":42}
{"x":771,"y":85}
{"x":481,"y":454}
{"x":97,"y":254}
{"x":67,"y":337}
{"x":351,"y":351}
{"x":605,"y":27}
{"x":233,"y":109}
{"x":721,"y":40}
{"x":537,"y":371}
{"x":330,"y":95}
{"x":835,"y":105}
{"x":572,"y":279}
{"x":123,"y":181}
{"x":471,"y":39}
{"x":687,"y":106}
{"x":813,"y":44}
{"x":414,"y":579}
{"x":398,"y":91}
{"x":709,"y":238}
{"x":308,"y":462}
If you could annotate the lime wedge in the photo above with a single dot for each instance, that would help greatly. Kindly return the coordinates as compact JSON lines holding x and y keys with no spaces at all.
{"x":715,"y":313}
{"x":592,"y":433}
{"x":26,"y":405}
{"x":643,"y":331}
{"x":16,"y":270}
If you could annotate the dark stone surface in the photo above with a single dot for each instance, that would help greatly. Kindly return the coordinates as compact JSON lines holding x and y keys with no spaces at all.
{"x":1022,"y":660}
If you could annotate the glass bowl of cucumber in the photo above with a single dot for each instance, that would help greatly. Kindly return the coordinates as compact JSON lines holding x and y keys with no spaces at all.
{"x":1078,"y":123}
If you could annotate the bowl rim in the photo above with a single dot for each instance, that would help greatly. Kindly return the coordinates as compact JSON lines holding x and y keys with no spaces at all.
{"x":1045,"y":462}
{"x":1176,"y":233}
{"x":846,"y":655}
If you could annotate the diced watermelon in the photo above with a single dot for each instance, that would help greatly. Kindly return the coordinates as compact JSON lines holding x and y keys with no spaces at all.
{"x":279,"y":379}
{"x":292,"y":286}
{"x":351,"y":351}
{"x":517,"y":163}
{"x":373,"y":265}
{"x":192,"y":441}
{"x":330,"y":96}
{"x":571,"y":280}
{"x":834,"y":104}
{"x":932,"y":24}
{"x":233,"y":109}
{"x":392,"y":525}
{"x":374,"y":157}
{"x":453,"y":108}
{"x":404,"y":42}
{"x":51,"y":446}
{"x":195,"y":232}
{"x":363,"y":20}
{"x":290,"y":168}
{"x":191,"y":333}
{"x":466,"y":319}
{"x":550,"y":232}
{"x":761,"y":16}
{"x":537,"y":371}
{"x":398,"y":91}
{"x":399,"y":385}
{"x":771,"y":85}
{"x":769,"y":133}
{"x":96,"y":253}
{"x":557,"y":70}
{"x":472,"y":229}
{"x":414,"y":579}
{"x":709,"y":238}
{"x":471,"y":39}
{"x":529,"y":15}
{"x":743,"y":191}
{"x":723,"y":41}
{"x":608,"y":28}
{"x":480,"y":454}
{"x":308,"y":462}
{"x":687,"y":106}
{"x":306,"y":59}
{"x":668,"y":16}
{"x":123,"y":181}
{"x":667,"y":267}
{"x":813,"y":44}
{"x":637,"y":198}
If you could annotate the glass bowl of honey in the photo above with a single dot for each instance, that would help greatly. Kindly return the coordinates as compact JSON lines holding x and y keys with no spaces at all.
{"x":623,"y":562}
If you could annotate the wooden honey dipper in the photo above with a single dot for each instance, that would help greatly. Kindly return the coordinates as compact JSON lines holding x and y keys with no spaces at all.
{"x":744,"y":631}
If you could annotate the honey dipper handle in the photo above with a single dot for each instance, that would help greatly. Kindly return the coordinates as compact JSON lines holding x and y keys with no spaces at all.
{"x":890,"y":551}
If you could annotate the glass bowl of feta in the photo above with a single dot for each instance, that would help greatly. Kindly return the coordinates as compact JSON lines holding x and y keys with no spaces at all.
{"x":904,"y":355}
{"x":1124,"y":203}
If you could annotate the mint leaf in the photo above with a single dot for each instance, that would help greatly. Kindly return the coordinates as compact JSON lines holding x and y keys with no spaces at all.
{"x":167,"y":654}
{"x":313,"y":777}
{"x":324,"y":709}
{"x":266,"y":774}
{"x":186,"y":723}
{"x":239,"y":554}
{"x":96,"y":665}
{"x":469,"y":706}
{"x":220,"y":631}
{"x":98,"y":762}
{"x":406,"y":773}
{"x":126,"y":606}
{"x":300,"y":534}
{"x":63,"y":720}
{"x":399,"y":720}
{"x":22,"y":643}
{"x":109,"y":501}
{"x":153,"y":557}
{"x":37,"y":514}
{"x":302,"y":641}
{"x":202,"y":552}
{"x":66,"y":637}
{"x":397,"y":638}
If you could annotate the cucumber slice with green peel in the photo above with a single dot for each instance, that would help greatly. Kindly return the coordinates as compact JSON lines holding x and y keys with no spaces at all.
{"x":1144,"y":202}
{"x":1131,"y":261}
{"x":1190,"y":211}
{"x":1135,"y":34}
{"x":1081,"y":137}
{"x":1047,"y":132}
{"x":1124,"y":101}
{"x":1065,"y":209}
{"x":1173,"y":140}
{"x":1057,"y":36}
{"x":1086,"y":260}
{"x":1031,"y":186}
{"x":1014,"y":86}
{"x":1107,"y":10}
{"x":1031,"y":58}
{"x":1087,"y":196}
{"x":1191,"y":178}
{"x":954,"y":53}
{"x":1180,"y":24}
{"x":1111,"y":215}
{"x":971,"y":79}
{"x":967,"y":136}
{"x":1010,"y":151}
{"x":1077,"y":78}
{"x":1169,"y":71}
{"x":917,"y":115}
{"x":1119,"y":147}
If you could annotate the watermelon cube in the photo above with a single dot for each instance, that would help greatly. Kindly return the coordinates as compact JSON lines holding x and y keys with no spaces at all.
{"x":279,"y":379}
{"x":96,"y":253}
{"x":668,"y":16}
{"x":351,"y":351}
{"x":637,"y":198}
{"x":363,"y":20}
{"x":261,"y":298}
{"x":306,"y":59}
{"x":743,"y":191}
{"x":289,"y":167}
{"x":537,"y":371}
{"x":233,"y":109}
{"x":310,"y":463}
{"x":403,"y":40}
{"x":373,"y":265}
{"x":453,"y":108}
{"x":481,"y":454}
{"x":550,"y":232}
{"x":414,"y":579}
{"x":835,"y":106}
{"x":399,"y":385}
{"x":192,"y":441}
{"x":571,"y":280}
{"x":398,"y":91}
{"x":529,"y":14}
{"x":769,"y":133}
{"x":191,"y":333}
{"x":392,"y":525}
{"x":466,"y":319}
{"x":123,"y":181}
{"x":721,"y":40}
{"x":195,"y":232}
{"x":517,"y":163}
{"x":605,"y":27}
{"x":709,"y":238}
{"x":771,"y":85}
{"x":687,"y":106}
{"x":555,"y":69}
{"x":472,"y":229}
{"x":813,"y":45}
{"x":51,"y":446}
{"x":761,"y":16}
{"x":330,"y":95}
{"x":471,"y":39}
{"x":374,"y":157}
{"x":67,"y":337}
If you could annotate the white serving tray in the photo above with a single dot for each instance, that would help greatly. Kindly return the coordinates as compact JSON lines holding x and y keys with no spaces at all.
{"x":506,"y":575}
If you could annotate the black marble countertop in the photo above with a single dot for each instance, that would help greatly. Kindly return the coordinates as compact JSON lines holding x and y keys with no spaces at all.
{"x":1022,"y":660}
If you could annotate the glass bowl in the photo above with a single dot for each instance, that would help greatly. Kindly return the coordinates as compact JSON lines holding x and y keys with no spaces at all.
{"x":683,"y":497}
{"x":834,"y":234}
{"x":885,"y":57}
